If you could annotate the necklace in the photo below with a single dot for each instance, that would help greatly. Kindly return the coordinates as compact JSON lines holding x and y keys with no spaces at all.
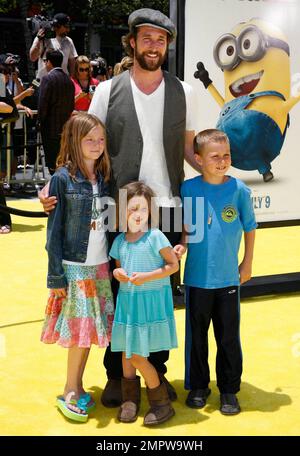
{"x":210,"y":206}
{"x":92,"y":178}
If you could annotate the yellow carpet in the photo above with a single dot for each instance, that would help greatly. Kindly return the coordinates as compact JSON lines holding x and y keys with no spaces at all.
{"x":32,"y":374}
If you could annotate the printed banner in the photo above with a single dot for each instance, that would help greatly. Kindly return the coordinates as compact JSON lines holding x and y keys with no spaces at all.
{"x":250,"y":63}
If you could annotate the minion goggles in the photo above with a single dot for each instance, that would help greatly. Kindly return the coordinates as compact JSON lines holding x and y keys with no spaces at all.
{"x":250,"y":45}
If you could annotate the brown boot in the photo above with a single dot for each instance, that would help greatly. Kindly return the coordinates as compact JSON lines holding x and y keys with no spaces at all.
{"x":112,"y":394}
{"x":171,"y":390}
{"x":131,"y":398}
{"x":161,"y":409}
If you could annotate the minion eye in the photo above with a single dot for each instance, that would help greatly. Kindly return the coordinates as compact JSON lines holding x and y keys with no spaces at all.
{"x":227,"y":52}
{"x":249,"y":44}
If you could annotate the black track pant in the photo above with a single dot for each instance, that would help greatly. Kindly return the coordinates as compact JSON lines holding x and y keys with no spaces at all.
{"x":51,"y":149}
{"x":222,"y":306}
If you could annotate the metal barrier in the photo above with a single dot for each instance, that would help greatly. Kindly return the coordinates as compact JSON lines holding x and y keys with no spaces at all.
{"x":39,"y":173}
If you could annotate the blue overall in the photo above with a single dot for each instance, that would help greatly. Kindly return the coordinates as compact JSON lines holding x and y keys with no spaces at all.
{"x":255,"y":138}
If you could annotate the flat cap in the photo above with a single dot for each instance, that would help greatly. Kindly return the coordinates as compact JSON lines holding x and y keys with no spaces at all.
{"x":152,"y":18}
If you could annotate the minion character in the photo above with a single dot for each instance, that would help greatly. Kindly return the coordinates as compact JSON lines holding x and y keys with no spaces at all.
{"x":255,"y":59}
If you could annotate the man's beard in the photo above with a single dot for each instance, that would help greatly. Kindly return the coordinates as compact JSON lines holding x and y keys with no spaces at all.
{"x":147,"y":63}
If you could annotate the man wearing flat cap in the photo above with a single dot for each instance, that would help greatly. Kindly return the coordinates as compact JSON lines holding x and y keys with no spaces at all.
{"x":149,"y":117}
{"x":63,"y":43}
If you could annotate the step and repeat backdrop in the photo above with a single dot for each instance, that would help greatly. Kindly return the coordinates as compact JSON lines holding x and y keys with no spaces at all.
{"x":248,"y":56}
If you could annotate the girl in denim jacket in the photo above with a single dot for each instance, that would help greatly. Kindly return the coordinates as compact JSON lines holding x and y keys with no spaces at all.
{"x":80,"y":306}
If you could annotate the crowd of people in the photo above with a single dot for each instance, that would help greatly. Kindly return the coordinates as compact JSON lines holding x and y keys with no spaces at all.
{"x":64,"y":84}
{"x":130,"y":145}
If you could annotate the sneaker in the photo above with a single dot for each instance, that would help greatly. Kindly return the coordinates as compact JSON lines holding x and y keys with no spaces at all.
{"x":229,"y":404}
{"x":112,"y":393}
{"x":197,"y":398}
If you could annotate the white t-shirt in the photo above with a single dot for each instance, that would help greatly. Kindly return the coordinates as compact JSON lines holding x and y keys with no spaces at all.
{"x":97,"y":246}
{"x":64,"y":44}
{"x":149,"y":109}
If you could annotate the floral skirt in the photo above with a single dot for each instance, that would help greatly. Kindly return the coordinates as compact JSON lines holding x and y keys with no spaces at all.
{"x":85,"y":316}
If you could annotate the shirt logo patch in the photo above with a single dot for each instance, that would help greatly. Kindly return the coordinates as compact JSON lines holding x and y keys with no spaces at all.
{"x":229,"y":214}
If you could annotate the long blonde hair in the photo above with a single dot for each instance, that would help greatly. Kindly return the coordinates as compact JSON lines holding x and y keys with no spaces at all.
{"x":70,"y":154}
{"x":79,"y":60}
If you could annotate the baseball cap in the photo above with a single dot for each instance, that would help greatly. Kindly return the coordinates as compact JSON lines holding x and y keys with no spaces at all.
{"x":152,"y":18}
{"x":61,"y":19}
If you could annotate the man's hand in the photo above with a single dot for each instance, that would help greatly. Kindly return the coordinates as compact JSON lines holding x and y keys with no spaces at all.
{"x":47,"y":201}
{"x":41,"y":34}
{"x":120,"y":275}
{"x":179,"y":251}
{"x":59,"y":292}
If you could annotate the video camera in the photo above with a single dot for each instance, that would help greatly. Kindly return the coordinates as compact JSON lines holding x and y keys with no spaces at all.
{"x":99,"y":66}
{"x":37,"y":22}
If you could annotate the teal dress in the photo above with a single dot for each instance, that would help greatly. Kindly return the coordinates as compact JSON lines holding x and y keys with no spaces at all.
{"x":144,"y":317}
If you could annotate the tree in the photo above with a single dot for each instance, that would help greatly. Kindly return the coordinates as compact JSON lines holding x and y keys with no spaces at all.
{"x":7,"y":5}
{"x":103,"y":11}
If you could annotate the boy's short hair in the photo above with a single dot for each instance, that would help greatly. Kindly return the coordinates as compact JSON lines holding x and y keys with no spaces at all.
{"x":206,"y":136}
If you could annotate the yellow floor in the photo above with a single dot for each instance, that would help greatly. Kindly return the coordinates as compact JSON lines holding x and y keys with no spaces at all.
{"x":32,"y":374}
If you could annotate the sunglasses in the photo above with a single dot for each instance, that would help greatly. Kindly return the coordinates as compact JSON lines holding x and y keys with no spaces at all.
{"x":45,"y":60}
{"x":83,"y":69}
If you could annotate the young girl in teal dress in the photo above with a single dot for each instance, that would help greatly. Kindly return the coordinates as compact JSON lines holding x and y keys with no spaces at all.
{"x":144,"y":317}
{"x":80,"y":306}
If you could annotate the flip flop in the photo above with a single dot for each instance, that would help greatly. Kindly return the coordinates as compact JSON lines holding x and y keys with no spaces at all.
{"x":62,"y":404}
{"x":87,"y":398}
{"x":5,"y":229}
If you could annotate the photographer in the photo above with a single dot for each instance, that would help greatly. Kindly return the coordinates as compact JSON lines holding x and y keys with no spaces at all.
{"x":10,"y":61}
{"x":14,"y":93}
{"x":7,"y":106}
{"x":84,"y":83}
{"x":99,"y":66}
{"x":61,"y":42}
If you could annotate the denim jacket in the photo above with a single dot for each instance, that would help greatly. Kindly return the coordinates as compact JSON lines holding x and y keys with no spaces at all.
{"x":68,"y":226}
